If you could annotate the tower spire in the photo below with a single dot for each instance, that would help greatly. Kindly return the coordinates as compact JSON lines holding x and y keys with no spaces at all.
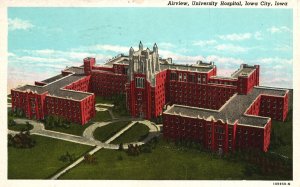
{"x":140,"y":46}
{"x":131,"y":50}
{"x":155,"y":48}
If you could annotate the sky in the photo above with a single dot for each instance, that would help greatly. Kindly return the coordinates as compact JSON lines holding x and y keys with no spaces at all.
{"x":43,"y":41}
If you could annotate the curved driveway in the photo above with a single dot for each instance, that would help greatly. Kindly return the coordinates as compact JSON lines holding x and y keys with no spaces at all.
{"x":87,"y":136}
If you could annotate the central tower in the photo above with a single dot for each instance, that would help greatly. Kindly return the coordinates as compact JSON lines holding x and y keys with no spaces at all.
{"x":143,"y":67}
{"x":144,"y":63}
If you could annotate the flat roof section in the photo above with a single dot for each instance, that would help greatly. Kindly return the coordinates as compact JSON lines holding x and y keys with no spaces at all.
{"x":245,"y":71}
{"x":233,"y":109}
{"x":52,"y":79}
{"x":121,"y":59}
{"x":192,"y":111}
{"x":56,"y":83}
{"x":223,"y":78}
{"x":33,"y":88}
{"x":186,"y":67}
{"x":76,"y":70}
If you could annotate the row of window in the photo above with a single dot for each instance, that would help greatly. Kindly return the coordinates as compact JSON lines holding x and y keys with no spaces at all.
{"x":222,"y":82}
{"x":239,"y":131}
{"x":200,"y":88}
{"x":187,"y":78}
{"x":105,"y":88}
{"x":202,"y":95}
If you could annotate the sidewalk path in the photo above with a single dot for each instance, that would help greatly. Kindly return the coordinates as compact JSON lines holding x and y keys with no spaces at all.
{"x":112,"y":115}
{"x":120,"y":132}
{"x":87,"y":137}
{"x":104,"y":105}
{"x":88,"y":134}
{"x":106,"y":109}
{"x":78,"y":161}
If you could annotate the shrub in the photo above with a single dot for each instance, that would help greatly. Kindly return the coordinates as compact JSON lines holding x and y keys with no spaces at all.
{"x":67,"y":157}
{"x":10,"y":140}
{"x":21,"y":140}
{"x":56,"y":121}
{"x":133,"y":150}
{"x":90,"y":159}
{"x":11,"y":122}
{"x":121,"y":147}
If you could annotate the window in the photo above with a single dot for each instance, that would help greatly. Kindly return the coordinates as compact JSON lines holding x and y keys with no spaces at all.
{"x":180,"y":77}
{"x":191,"y":78}
{"x":199,"y":78}
{"x":184,"y":77}
{"x":173,"y":76}
{"x":139,"y":82}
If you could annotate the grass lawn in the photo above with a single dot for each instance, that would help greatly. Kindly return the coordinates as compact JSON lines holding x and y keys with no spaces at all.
{"x":75,"y":129}
{"x":284,"y":131}
{"x":101,"y":116}
{"x":120,"y":110}
{"x":137,"y":132}
{"x":107,"y":131}
{"x":100,"y":99}
{"x":41,"y":161}
{"x":19,"y":127}
{"x":78,"y":129}
{"x":166,"y":162}
{"x":121,"y":113}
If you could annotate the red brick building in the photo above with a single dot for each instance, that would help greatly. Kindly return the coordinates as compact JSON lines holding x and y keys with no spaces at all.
{"x":220,"y":112}
{"x":64,"y":95}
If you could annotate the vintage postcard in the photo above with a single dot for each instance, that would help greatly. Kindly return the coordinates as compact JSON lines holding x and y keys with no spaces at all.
{"x":161,"y":93}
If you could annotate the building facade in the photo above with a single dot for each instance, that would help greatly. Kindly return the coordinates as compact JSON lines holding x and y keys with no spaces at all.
{"x":225,"y":113}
